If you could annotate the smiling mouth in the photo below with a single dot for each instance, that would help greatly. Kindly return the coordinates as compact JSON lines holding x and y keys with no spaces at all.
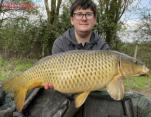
{"x":84,"y":24}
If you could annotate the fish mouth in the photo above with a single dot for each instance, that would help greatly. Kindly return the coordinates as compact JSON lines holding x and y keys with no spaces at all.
{"x":145,"y":72}
{"x":147,"y":75}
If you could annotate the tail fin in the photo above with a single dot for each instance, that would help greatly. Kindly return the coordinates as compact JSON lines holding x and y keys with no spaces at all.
{"x":14,"y":86}
{"x":19,"y":88}
{"x":20,"y":98}
{"x":11,"y":84}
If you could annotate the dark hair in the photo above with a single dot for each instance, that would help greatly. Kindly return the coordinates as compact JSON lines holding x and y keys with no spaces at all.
{"x":83,"y":4}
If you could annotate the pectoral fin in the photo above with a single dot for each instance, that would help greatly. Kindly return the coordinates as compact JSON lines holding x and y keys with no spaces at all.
{"x":80,"y":99}
{"x":116,"y":88}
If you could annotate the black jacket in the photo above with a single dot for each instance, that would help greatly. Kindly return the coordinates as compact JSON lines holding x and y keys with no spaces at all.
{"x":68,"y":42}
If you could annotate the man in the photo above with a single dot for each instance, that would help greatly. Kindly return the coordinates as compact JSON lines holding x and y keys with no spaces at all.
{"x":49,"y":103}
{"x":83,"y":19}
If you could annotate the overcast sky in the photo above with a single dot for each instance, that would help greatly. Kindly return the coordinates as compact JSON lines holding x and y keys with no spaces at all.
{"x":131,"y":18}
{"x":133,"y":13}
{"x":136,"y":10}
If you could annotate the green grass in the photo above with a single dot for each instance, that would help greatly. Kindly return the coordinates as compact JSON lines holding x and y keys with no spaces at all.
{"x":2,"y":62}
{"x":10,"y":67}
{"x":137,"y":83}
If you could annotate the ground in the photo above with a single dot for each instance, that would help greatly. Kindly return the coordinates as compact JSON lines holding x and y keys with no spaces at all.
{"x":145,"y":92}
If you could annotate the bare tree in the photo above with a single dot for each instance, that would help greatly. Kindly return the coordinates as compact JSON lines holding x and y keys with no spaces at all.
{"x":110,"y":12}
{"x":52,"y":9}
{"x":144,"y":27}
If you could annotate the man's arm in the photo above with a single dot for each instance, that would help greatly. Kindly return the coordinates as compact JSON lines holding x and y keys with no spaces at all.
{"x":56,"y":48}
{"x":105,"y":46}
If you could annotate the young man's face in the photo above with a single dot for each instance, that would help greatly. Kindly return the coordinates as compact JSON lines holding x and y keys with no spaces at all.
{"x":83,"y":20}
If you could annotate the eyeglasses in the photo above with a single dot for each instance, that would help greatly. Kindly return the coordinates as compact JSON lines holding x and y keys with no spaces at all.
{"x":81,"y":15}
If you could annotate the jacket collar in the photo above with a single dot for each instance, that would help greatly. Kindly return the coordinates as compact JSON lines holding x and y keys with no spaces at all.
{"x":70,"y":36}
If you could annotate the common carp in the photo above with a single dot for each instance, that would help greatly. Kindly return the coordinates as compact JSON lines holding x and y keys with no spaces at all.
{"x":78,"y":72}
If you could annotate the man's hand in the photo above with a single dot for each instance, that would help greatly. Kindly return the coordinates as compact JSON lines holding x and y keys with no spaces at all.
{"x":48,"y":86}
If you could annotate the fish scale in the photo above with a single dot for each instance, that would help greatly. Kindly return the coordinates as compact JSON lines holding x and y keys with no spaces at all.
{"x":79,"y":75}
{"x":77,"y":72}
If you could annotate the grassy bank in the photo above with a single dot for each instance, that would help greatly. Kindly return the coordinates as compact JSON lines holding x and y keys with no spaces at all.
{"x":11,"y":67}
{"x":138,"y":83}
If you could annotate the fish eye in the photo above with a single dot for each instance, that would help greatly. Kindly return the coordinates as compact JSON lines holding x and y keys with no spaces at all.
{"x":136,"y":62}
